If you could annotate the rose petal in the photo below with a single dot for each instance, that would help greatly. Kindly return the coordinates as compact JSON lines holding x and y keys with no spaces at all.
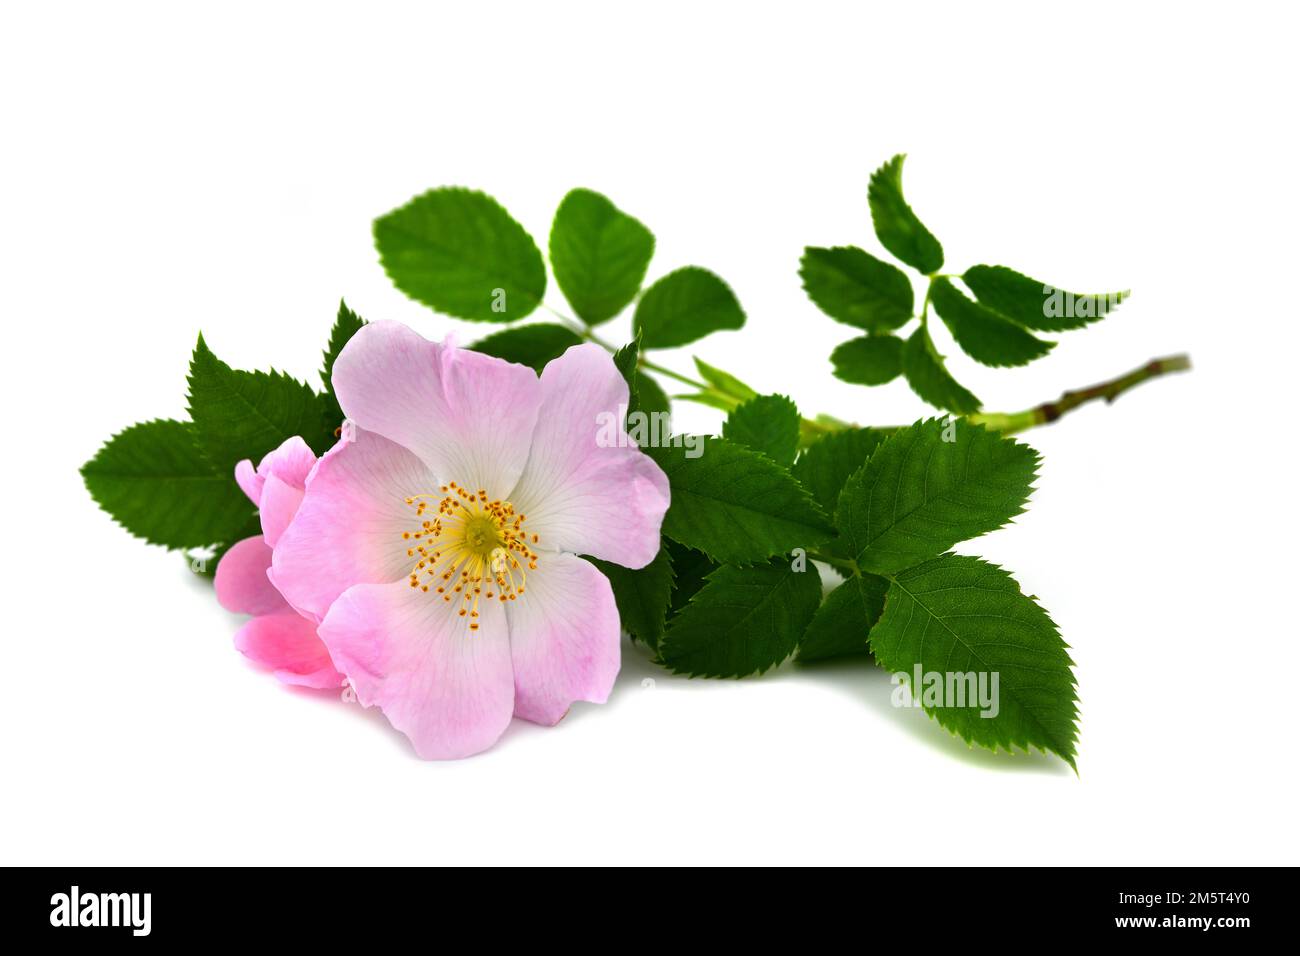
{"x":577,"y":495}
{"x":291,"y":462}
{"x":564,"y":638}
{"x":280,"y":502}
{"x":469,"y":416}
{"x":241,"y":582}
{"x":449,"y":689}
{"x":348,"y":529}
{"x":288,"y":644}
{"x":249,"y":481}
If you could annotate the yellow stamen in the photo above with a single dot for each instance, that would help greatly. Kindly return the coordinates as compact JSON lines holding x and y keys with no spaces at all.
{"x":480,"y":542}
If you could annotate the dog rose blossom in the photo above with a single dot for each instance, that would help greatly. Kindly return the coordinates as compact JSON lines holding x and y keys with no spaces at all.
{"x":438,"y":543}
{"x":277,"y":637}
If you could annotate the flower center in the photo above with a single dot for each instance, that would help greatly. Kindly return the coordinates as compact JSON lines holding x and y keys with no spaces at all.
{"x":474,"y":548}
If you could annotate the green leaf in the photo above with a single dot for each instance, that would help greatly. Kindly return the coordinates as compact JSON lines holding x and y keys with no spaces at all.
{"x":855,"y":287}
{"x":346,"y":325}
{"x":156,"y":484}
{"x":869,"y":360}
{"x":844,"y":621}
{"x":925,"y":372}
{"x":1037,"y":305}
{"x":599,"y":255}
{"x":684,"y":306}
{"x":734,"y":504}
{"x":960,"y":615}
{"x":983,"y":334}
{"x":724,"y":382}
{"x":827,"y":464}
{"x":690,"y":570}
{"x":240,"y":414}
{"x":724,"y":391}
{"x":929,"y":486}
{"x":531,"y":345}
{"x":896,"y":225}
{"x":769,"y":424}
{"x":711,"y":399}
{"x":459,"y":252}
{"x":643,"y":393}
{"x":625,"y":360}
{"x":743,"y":621}
{"x":642,"y":596}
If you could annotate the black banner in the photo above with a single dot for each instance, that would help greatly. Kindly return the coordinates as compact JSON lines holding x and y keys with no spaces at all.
{"x":135,"y":906}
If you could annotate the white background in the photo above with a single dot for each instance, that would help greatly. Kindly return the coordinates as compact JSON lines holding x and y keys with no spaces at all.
{"x":167,"y":169}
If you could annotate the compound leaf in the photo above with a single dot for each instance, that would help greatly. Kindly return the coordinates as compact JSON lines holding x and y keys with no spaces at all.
{"x":768,"y":423}
{"x":963,"y":620}
{"x":869,"y":360}
{"x":684,"y":306}
{"x":734,"y":504}
{"x":743,"y":621}
{"x":642,"y":595}
{"x":843,"y":622}
{"x":929,"y":486}
{"x":1037,"y":305}
{"x":599,"y":254}
{"x":925,"y":372}
{"x":983,"y":334}
{"x":532,"y":345}
{"x":856,"y":288}
{"x":156,"y":484}
{"x":239,"y":414}
{"x":459,"y":252}
{"x":897,"y":227}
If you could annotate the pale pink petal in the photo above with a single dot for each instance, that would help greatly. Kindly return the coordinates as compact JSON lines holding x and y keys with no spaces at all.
{"x":469,"y":416}
{"x":241,"y":583}
{"x":348,"y":529}
{"x":449,"y":689}
{"x":581,"y":491}
{"x":249,"y":481}
{"x":564,"y":638}
{"x":280,"y":502}
{"x":287,"y":643}
{"x":291,"y":462}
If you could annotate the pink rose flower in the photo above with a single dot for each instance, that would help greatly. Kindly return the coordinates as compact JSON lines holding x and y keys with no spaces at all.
{"x":438,"y":543}
{"x":277,"y":637}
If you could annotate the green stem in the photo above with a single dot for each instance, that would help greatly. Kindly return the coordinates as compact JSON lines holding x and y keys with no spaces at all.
{"x":644,"y":363}
{"x":1108,"y":391}
{"x":1006,"y":422}
{"x":584,"y":332}
{"x":848,"y":566}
